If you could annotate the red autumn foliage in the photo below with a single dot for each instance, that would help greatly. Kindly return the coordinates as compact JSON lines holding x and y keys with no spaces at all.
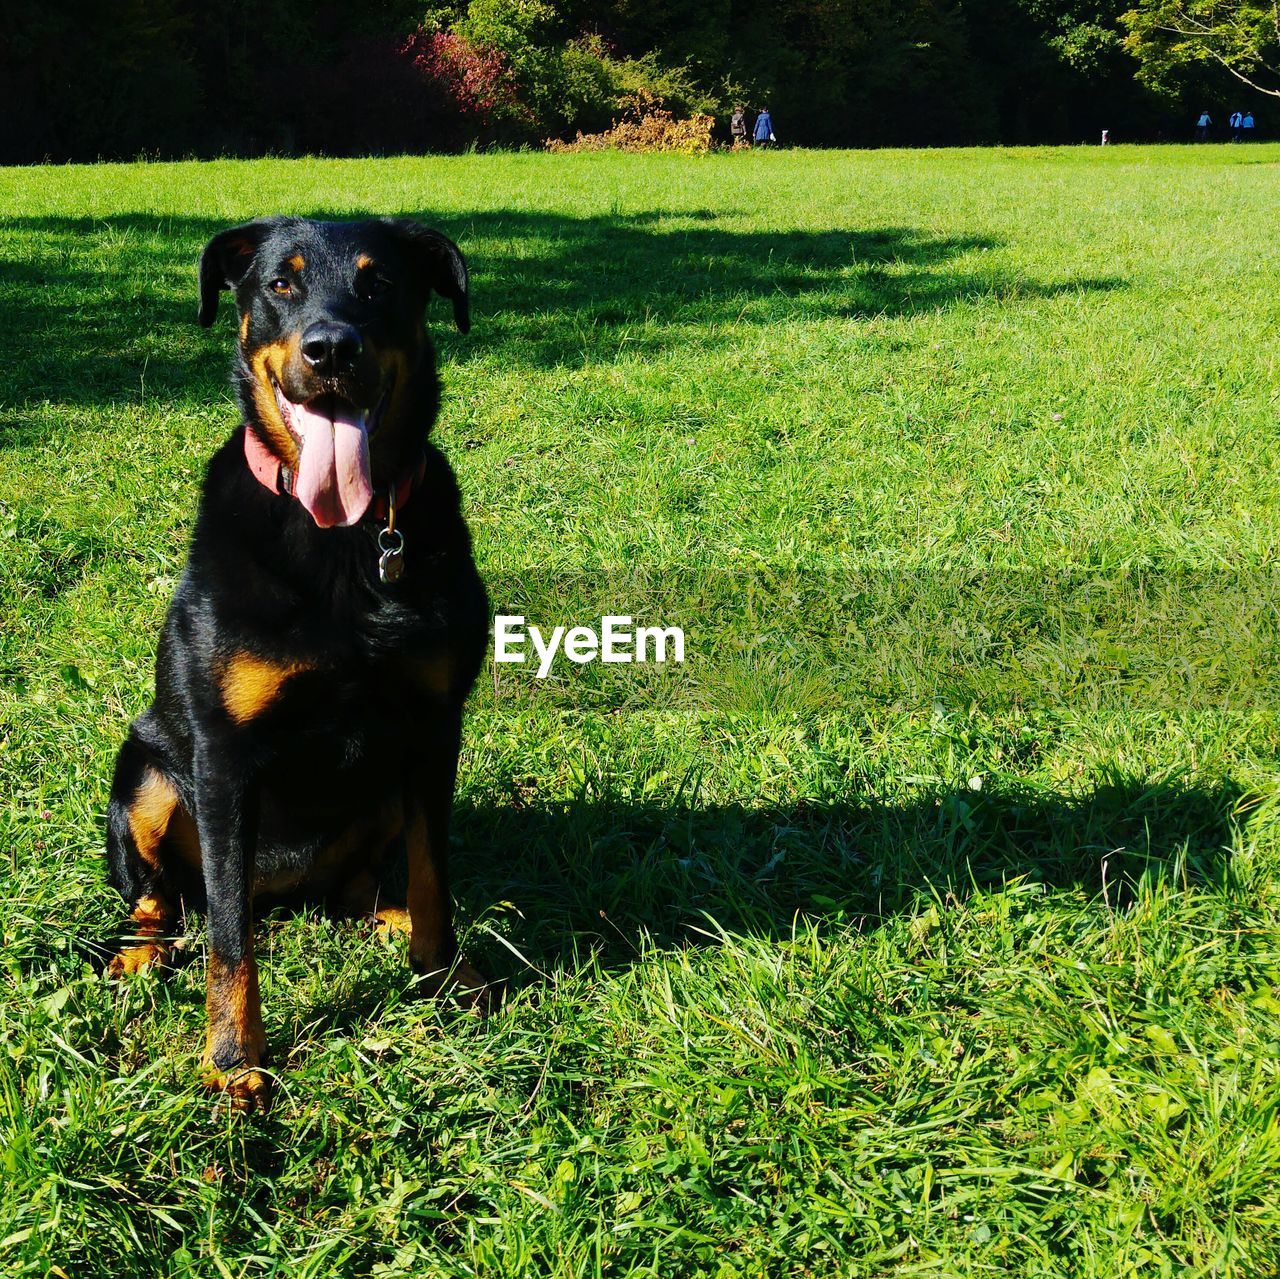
{"x":477,"y":81}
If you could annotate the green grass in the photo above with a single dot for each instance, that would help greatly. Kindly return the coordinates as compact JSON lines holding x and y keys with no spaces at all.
{"x":924,"y":922}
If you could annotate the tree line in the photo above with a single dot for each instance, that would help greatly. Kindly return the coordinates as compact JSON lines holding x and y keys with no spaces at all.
{"x":84,"y":80}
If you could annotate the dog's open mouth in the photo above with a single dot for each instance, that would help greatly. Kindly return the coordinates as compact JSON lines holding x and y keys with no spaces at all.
{"x":333,"y":480}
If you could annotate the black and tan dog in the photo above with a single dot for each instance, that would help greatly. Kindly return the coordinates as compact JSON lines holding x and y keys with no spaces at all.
{"x":327,"y":629}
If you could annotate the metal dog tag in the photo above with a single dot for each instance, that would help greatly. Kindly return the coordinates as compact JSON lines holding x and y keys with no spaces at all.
{"x":391,"y":561}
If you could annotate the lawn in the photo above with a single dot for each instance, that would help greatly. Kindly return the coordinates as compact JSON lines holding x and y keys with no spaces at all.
{"x":926,"y":920}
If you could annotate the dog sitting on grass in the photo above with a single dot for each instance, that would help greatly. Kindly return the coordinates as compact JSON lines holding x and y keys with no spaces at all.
{"x":326,"y":631}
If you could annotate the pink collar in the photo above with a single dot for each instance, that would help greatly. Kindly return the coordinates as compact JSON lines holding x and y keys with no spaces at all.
{"x":273,"y":475}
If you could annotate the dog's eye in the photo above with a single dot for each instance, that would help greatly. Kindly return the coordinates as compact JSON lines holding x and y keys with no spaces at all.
{"x":281,"y":286}
{"x":372,"y":286}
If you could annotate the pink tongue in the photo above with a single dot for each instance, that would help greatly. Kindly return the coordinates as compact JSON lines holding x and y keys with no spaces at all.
{"x":333,"y":475}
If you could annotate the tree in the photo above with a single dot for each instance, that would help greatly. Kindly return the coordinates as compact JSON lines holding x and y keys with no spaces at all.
{"x":1242,"y":37}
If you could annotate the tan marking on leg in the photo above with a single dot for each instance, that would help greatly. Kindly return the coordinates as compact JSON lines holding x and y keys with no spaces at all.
{"x":250,"y":684}
{"x":427,"y":912}
{"x":149,"y":813}
{"x":429,"y":917}
{"x":152,"y":918}
{"x":156,"y":814}
{"x":244,"y":327}
{"x":235,"y":1035}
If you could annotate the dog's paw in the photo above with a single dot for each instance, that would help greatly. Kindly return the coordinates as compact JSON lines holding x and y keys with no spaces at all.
{"x":134,"y":959}
{"x":392,"y":920}
{"x":246,"y":1088}
{"x":461,"y":984}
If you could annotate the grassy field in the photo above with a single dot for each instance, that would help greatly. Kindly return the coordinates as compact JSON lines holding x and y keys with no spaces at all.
{"x":925,"y":921}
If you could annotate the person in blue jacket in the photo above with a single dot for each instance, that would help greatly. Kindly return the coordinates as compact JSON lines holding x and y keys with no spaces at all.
{"x":764,"y":128}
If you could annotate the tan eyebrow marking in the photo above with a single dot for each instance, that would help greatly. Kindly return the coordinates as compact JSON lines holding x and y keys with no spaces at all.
{"x":297,"y":261}
{"x":364,"y":261}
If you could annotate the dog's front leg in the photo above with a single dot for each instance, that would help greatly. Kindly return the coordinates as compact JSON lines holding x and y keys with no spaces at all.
{"x":433,"y":944}
{"x":226,"y":807}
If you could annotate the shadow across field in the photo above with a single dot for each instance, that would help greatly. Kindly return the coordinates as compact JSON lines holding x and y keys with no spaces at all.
{"x":602,"y":288}
{"x":600,"y":876}
{"x":546,"y":888}
{"x":102,"y":311}
{"x":543,"y":888}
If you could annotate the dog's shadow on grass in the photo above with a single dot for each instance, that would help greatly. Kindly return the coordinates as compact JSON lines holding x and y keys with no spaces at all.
{"x":102,"y":310}
{"x":546,"y":887}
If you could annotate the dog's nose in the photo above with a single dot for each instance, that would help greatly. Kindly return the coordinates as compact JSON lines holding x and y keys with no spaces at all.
{"x":331,"y":348}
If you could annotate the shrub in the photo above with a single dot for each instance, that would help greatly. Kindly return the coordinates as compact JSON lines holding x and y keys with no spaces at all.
{"x":645,"y":127}
{"x":590,"y":98}
{"x":672,"y":88}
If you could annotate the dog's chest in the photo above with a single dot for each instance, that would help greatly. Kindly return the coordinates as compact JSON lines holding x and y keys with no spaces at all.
{"x":342,"y":696}
{"x":336,"y":738}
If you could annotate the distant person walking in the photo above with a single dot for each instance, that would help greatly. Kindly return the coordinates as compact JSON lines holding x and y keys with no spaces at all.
{"x":764,"y":128}
{"x":1106,"y":137}
{"x":738,"y":128}
{"x":1202,"y":127}
{"x":1235,"y":122}
{"x":1246,"y":127}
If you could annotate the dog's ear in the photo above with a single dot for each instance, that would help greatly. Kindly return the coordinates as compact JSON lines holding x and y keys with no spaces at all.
{"x":226,"y":260}
{"x":439,"y":262}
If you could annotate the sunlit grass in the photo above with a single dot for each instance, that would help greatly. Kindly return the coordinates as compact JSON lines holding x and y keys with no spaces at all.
{"x":924,"y":922}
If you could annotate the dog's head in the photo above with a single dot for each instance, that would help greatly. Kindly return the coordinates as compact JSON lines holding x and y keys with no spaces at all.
{"x":335,"y":370}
